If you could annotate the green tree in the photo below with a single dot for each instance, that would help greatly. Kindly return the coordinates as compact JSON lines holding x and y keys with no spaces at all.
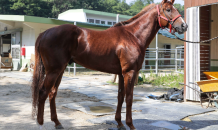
{"x":60,"y":6}
{"x":180,"y":8}
{"x":108,"y":5}
{"x":5,"y":7}
{"x":121,"y":7}
{"x":137,"y":6}
{"x":32,"y":7}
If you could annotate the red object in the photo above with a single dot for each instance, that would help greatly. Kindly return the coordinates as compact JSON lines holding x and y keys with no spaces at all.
{"x":23,"y":50}
{"x":170,"y":21}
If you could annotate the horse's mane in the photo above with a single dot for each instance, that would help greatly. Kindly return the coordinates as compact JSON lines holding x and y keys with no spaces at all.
{"x":143,"y":11}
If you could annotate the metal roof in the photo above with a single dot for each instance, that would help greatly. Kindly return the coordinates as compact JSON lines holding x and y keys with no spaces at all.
{"x":96,"y":13}
{"x":169,"y":35}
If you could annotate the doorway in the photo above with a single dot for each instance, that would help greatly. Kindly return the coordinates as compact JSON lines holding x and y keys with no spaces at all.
{"x":5,"y":47}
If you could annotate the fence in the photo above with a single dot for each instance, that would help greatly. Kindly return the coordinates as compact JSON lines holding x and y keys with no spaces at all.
{"x":165,"y":59}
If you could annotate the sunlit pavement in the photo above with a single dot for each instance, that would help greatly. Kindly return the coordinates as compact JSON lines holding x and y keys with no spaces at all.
{"x":147,"y":113}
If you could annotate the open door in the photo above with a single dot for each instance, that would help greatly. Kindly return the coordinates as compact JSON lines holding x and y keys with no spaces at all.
{"x":192,"y":72}
{"x":15,"y":50}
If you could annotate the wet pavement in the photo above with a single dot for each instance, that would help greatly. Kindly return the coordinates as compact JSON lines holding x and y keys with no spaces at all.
{"x":147,"y":113}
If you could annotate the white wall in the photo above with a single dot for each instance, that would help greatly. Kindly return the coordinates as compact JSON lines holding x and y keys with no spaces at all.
{"x":104,"y":18}
{"x":30,"y":33}
{"x":76,"y":16}
{"x":162,"y":40}
{"x":6,"y":47}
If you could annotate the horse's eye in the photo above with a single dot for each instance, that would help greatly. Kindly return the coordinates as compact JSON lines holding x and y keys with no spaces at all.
{"x":168,"y":10}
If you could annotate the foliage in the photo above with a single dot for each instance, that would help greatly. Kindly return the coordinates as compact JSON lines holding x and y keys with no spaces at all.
{"x":170,"y":80}
{"x":51,"y":8}
{"x":180,"y":9}
{"x":31,"y":7}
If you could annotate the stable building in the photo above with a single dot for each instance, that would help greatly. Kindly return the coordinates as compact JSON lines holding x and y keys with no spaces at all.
{"x":19,"y":31}
{"x":201,"y":17}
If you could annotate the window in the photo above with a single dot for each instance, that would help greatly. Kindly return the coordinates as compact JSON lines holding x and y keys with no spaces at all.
{"x":109,"y":23}
{"x":167,"y":46}
{"x":97,"y":21}
{"x":102,"y":22}
{"x":16,"y":53}
{"x":13,"y":37}
{"x":114,"y":23}
{"x":91,"y":21}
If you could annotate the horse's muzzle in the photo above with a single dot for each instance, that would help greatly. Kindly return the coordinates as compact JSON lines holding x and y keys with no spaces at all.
{"x":183,"y":28}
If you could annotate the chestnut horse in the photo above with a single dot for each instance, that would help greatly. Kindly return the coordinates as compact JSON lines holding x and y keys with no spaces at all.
{"x":117,"y":50}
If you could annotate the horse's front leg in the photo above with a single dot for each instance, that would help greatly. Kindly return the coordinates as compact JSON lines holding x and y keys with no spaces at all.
{"x":121,"y":95}
{"x":129,"y":79}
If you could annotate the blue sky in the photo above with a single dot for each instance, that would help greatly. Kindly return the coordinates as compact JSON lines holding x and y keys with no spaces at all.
{"x":176,"y":1}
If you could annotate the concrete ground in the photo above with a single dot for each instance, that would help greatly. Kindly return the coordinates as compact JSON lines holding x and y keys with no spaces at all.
{"x":89,"y":103}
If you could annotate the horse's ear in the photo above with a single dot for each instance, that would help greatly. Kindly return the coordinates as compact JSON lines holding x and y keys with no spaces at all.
{"x":172,"y":1}
{"x":164,"y":1}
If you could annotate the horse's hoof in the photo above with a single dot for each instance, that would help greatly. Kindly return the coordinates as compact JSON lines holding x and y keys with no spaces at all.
{"x":59,"y":127}
{"x":133,"y":129}
{"x":41,"y":127}
{"x":122,"y":128}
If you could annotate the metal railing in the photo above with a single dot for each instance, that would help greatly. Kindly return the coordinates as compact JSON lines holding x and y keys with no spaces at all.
{"x":74,"y":68}
{"x":180,"y":59}
{"x":165,"y":59}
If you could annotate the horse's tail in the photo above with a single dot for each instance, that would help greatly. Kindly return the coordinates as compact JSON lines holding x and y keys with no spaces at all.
{"x":38,"y":76}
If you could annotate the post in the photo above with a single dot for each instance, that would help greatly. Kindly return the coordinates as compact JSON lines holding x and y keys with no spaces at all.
{"x":69,"y":70}
{"x":176,"y":59}
{"x":180,"y":62}
{"x":156,"y":67}
{"x":117,"y":18}
{"x":74,"y":69}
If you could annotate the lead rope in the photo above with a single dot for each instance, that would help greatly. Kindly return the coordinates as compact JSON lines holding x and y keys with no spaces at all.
{"x":205,"y":41}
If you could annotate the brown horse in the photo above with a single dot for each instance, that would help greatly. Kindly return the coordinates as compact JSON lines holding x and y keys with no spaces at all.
{"x":117,"y":50}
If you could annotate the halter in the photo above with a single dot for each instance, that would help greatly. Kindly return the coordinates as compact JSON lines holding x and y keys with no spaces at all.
{"x":171,"y":22}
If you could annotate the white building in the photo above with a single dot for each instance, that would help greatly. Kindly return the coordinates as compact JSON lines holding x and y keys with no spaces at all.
{"x":91,"y":16}
{"x":17,"y":31}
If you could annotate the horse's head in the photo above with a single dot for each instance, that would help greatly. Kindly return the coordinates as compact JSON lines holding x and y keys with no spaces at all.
{"x":169,"y":17}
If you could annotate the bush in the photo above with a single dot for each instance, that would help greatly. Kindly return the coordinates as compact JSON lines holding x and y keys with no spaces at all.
{"x":168,"y":80}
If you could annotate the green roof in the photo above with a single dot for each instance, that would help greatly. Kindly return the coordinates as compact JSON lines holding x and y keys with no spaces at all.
{"x":42,"y":20}
{"x":96,"y":12}
{"x":33,"y":19}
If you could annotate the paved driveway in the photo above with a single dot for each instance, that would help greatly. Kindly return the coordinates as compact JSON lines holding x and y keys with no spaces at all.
{"x":147,"y":113}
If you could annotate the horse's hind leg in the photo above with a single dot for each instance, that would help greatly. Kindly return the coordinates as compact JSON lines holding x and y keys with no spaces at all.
{"x":49,"y":82}
{"x":121,"y":95}
{"x":52,"y":96}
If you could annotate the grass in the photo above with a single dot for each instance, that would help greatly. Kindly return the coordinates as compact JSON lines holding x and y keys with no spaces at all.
{"x":171,"y":80}
{"x":112,"y":83}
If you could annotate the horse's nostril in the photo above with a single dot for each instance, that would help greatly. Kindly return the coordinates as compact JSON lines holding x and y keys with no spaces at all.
{"x":184,"y":26}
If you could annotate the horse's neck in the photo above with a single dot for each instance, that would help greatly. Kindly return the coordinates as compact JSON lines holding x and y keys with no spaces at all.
{"x":145,"y":27}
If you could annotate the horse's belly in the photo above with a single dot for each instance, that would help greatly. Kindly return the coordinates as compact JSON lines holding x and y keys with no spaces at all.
{"x":100,"y":64}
